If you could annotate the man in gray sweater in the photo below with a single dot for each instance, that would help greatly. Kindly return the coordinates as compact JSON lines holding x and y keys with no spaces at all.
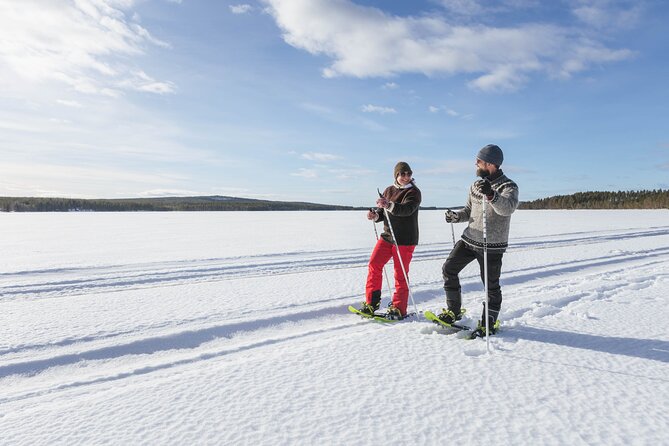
{"x":501,"y":194}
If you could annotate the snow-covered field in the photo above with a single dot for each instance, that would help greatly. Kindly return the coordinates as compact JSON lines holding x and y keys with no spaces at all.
{"x":231,"y":328}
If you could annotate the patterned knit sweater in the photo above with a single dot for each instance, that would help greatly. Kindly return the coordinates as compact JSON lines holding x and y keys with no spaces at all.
{"x":498,"y":214}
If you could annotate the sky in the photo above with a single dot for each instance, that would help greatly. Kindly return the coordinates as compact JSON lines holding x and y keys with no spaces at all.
{"x":317,"y":100}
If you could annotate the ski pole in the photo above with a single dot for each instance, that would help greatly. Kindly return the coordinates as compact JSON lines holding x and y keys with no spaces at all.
{"x":404,"y":271}
{"x":376,"y":233}
{"x":451,"y":208}
{"x":485,"y":275}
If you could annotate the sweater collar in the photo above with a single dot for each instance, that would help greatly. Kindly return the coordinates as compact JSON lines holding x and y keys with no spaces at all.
{"x":408,"y":186}
{"x":496,"y":175}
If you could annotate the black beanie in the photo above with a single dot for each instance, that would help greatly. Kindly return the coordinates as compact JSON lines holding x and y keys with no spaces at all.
{"x":491,"y":154}
{"x":402,"y":167}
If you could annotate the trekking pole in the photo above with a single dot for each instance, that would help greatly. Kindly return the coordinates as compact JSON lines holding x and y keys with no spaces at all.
{"x":451,"y":208}
{"x":404,"y":271}
{"x":376,"y":233}
{"x":485,"y":275}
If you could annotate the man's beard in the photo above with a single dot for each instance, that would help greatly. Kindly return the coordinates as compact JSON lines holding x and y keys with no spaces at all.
{"x":480,"y":172}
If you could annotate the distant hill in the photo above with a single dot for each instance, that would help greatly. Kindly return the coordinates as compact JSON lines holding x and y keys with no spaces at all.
{"x":642,"y":199}
{"x":210,"y":203}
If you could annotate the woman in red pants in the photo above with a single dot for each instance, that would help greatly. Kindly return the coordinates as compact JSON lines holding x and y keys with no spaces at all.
{"x":401,"y":201}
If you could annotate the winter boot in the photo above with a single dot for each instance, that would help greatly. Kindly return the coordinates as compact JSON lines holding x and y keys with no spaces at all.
{"x":372,"y":307}
{"x":394,"y":313}
{"x":449,"y":317}
{"x":493,"y":326}
{"x":454,"y":300}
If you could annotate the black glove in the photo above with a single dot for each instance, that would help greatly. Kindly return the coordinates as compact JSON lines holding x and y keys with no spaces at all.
{"x":452,"y":217}
{"x":484,"y":187}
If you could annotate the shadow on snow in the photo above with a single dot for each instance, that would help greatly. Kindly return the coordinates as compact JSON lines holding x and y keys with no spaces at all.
{"x":653,"y":349}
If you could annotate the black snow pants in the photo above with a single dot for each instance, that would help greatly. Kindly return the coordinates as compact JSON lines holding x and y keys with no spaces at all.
{"x":461,"y":256}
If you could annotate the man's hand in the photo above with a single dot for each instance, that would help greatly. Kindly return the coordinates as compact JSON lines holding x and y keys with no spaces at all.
{"x":372,"y":215}
{"x":484,"y":188}
{"x":452,"y":217}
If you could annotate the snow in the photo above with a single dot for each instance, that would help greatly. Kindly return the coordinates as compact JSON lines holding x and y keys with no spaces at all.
{"x":232,"y":328}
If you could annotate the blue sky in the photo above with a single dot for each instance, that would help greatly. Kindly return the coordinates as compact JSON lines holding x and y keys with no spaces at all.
{"x":315,"y":100}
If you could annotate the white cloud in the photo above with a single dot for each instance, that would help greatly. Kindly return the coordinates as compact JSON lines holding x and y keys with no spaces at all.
{"x":390,"y":86}
{"x":140,"y":81}
{"x":241,"y":9}
{"x":69,"y":103}
{"x":369,"y":108}
{"x":321,"y":157}
{"x":607,"y":14}
{"x":366,"y":42}
{"x":305,"y":173}
{"x":463,"y":7}
{"x":84,"y":44}
{"x":448,"y":111}
{"x":61,"y":179}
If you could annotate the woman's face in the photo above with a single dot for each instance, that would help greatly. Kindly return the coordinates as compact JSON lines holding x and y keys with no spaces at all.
{"x":404,"y":178}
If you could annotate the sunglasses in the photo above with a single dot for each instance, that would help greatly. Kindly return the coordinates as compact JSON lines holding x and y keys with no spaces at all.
{"x":405,"y":174}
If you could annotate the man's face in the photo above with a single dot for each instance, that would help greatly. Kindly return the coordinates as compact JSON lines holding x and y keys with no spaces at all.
{"x":482,"y":168}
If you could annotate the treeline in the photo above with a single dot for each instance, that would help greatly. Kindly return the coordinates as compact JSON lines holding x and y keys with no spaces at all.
{"x":642,"y":199}
{"x":213,"y":203}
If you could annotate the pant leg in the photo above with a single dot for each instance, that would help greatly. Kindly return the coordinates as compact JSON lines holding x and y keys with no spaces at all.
{"x":494,"y":288}
{"x":381,"y":253}
{"x":401,"y":296}
{"x":460,"y":256}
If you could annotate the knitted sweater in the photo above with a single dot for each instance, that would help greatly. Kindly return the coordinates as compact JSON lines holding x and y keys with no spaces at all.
{"x":403,"y":213}
{"x":498,"y":214}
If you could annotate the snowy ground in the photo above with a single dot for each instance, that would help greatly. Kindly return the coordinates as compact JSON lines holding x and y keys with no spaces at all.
{"x":231,"y":328}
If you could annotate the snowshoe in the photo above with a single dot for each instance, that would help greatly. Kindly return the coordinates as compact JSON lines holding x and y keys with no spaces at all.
{"x":448,"y":317}
{"x":480,"y":329}
{"x":394,"y":313}
{"x":368,"y":309}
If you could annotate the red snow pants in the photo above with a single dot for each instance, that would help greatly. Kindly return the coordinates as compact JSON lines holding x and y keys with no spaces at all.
{"x":381,"y":254}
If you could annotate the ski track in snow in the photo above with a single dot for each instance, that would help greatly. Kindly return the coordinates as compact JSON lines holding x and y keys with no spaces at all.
{"x":41,"y":283}
{"x":140,"y":350}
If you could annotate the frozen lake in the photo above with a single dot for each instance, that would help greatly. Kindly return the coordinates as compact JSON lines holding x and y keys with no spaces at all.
{"x":231,"y":328}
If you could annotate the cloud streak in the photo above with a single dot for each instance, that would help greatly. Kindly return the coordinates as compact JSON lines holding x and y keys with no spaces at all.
{"x":84,"y":44}
{"x":241,"y":9}
{"x":367,"y":42}
{"x":321,"y":157}
{"x":369,"y":108}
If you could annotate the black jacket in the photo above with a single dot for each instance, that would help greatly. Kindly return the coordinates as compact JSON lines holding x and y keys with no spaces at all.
{"x":403,"y":213}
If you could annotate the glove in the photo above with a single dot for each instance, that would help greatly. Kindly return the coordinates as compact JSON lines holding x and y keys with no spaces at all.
{"x":452,"y":217}
{"x":372,"y":215}
{"x":383,"y":203}
{"x":484,"y":188}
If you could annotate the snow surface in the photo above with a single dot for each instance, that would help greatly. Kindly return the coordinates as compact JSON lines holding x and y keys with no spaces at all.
{"x":232,"y":328}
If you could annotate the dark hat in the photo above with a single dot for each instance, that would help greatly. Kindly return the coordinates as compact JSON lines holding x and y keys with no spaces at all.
{"x":402,"y":167}
{"x":491,"y":154}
